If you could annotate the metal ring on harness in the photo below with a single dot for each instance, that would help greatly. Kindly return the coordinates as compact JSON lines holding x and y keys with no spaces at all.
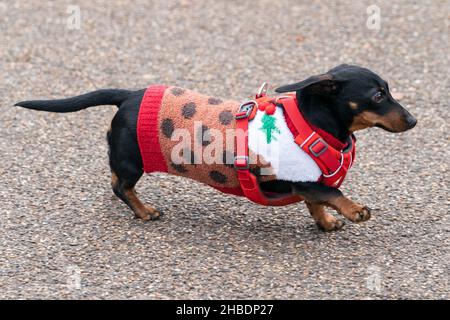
{"x":337,"y":170}
{"x":262,"y":90}
{"x":281,"y":97}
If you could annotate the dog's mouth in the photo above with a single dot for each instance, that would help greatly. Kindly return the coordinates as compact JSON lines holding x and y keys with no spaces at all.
{"x":407,"y":126}
{"x":396,"y":121}
{"x":379,"y":125}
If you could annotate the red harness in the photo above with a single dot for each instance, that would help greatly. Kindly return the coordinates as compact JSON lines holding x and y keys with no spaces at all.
{"x":333,"y":163}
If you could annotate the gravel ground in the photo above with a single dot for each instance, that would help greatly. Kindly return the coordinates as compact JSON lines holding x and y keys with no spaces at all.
{"x":63,"y":233}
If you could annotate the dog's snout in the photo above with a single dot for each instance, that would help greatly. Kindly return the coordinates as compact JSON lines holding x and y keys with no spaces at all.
{"x":411,"y":121}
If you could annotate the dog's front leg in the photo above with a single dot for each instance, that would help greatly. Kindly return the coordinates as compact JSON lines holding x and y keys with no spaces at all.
{"x":317,"y":195}
{"x":323,"y":219}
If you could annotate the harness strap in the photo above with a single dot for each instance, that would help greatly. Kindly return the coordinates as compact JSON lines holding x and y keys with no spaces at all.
{"x":248,"y":181}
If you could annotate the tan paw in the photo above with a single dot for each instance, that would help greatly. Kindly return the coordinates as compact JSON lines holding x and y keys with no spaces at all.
{"x":149,"y":214}
{"x":360,"y":214}
{"x":330,"y":224}
{"x":153,"y":213}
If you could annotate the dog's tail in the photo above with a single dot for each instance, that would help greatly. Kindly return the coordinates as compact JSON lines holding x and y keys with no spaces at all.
{"x":91,"y":99}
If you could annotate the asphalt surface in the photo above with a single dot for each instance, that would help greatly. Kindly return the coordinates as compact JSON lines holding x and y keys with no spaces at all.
{"x":63,"y":233}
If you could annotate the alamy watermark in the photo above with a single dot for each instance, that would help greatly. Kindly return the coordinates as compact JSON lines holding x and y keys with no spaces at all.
{"x":374,"y":17}
{"x":3,"y":6}
{"x":73,"y":277}
{"x":74,"y":19}
{"x":374,"y":280}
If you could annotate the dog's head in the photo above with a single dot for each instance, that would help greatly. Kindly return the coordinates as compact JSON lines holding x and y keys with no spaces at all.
{"x":357,"y":96}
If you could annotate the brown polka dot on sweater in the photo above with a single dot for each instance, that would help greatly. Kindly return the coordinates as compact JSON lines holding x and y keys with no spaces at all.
{"x":167,"y":127}
{"x":214,"y":101}
{"x":189,"y":110}
{"x":176,"y":91}
{"x":204,"y":136}
{"x":225,"y":117}
{"x":218,"y":177}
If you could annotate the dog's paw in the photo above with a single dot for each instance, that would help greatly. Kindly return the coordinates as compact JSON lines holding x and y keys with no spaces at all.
{"x":150,"y":214}
{"x":330,"y":225}
{"x":361,"y":214}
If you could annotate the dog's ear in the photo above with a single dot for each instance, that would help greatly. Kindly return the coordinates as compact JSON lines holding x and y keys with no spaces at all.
{"x":322,"y":84}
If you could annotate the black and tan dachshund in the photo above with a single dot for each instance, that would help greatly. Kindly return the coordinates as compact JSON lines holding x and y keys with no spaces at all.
{"x":344,"y":100}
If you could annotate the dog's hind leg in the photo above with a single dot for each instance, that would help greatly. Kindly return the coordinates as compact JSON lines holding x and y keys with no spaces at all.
{"x":126,"y":164}
{"x":124,"y":189}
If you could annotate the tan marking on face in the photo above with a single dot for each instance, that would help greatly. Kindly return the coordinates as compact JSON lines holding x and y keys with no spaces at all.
{"x":366,"y":119}
{"x":353,"y":105}
{"x":363,"y":120}
{"x":114,"y":179}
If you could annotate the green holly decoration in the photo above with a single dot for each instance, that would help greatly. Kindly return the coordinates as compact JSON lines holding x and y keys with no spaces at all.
{"x":269,"y":127}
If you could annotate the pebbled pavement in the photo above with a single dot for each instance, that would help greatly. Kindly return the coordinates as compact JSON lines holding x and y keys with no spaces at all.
{"x":63,"y":233}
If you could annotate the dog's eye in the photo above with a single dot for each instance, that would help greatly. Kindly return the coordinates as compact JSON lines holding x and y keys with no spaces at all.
{"x":378,"y":97}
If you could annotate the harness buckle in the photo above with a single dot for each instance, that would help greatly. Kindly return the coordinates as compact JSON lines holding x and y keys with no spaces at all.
{"x":314,"y":151}
{"x":241,"y":163}
{"x":245,"y":109}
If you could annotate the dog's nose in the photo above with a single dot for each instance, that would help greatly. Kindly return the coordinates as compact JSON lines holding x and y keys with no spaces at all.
{"x":411,"y":121}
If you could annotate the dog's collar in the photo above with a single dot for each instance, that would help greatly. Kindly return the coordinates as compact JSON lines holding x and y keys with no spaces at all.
{"x":333,"y":157}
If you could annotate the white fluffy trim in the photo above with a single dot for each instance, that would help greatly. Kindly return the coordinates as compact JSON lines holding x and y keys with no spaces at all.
{"x":288,"y":161}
